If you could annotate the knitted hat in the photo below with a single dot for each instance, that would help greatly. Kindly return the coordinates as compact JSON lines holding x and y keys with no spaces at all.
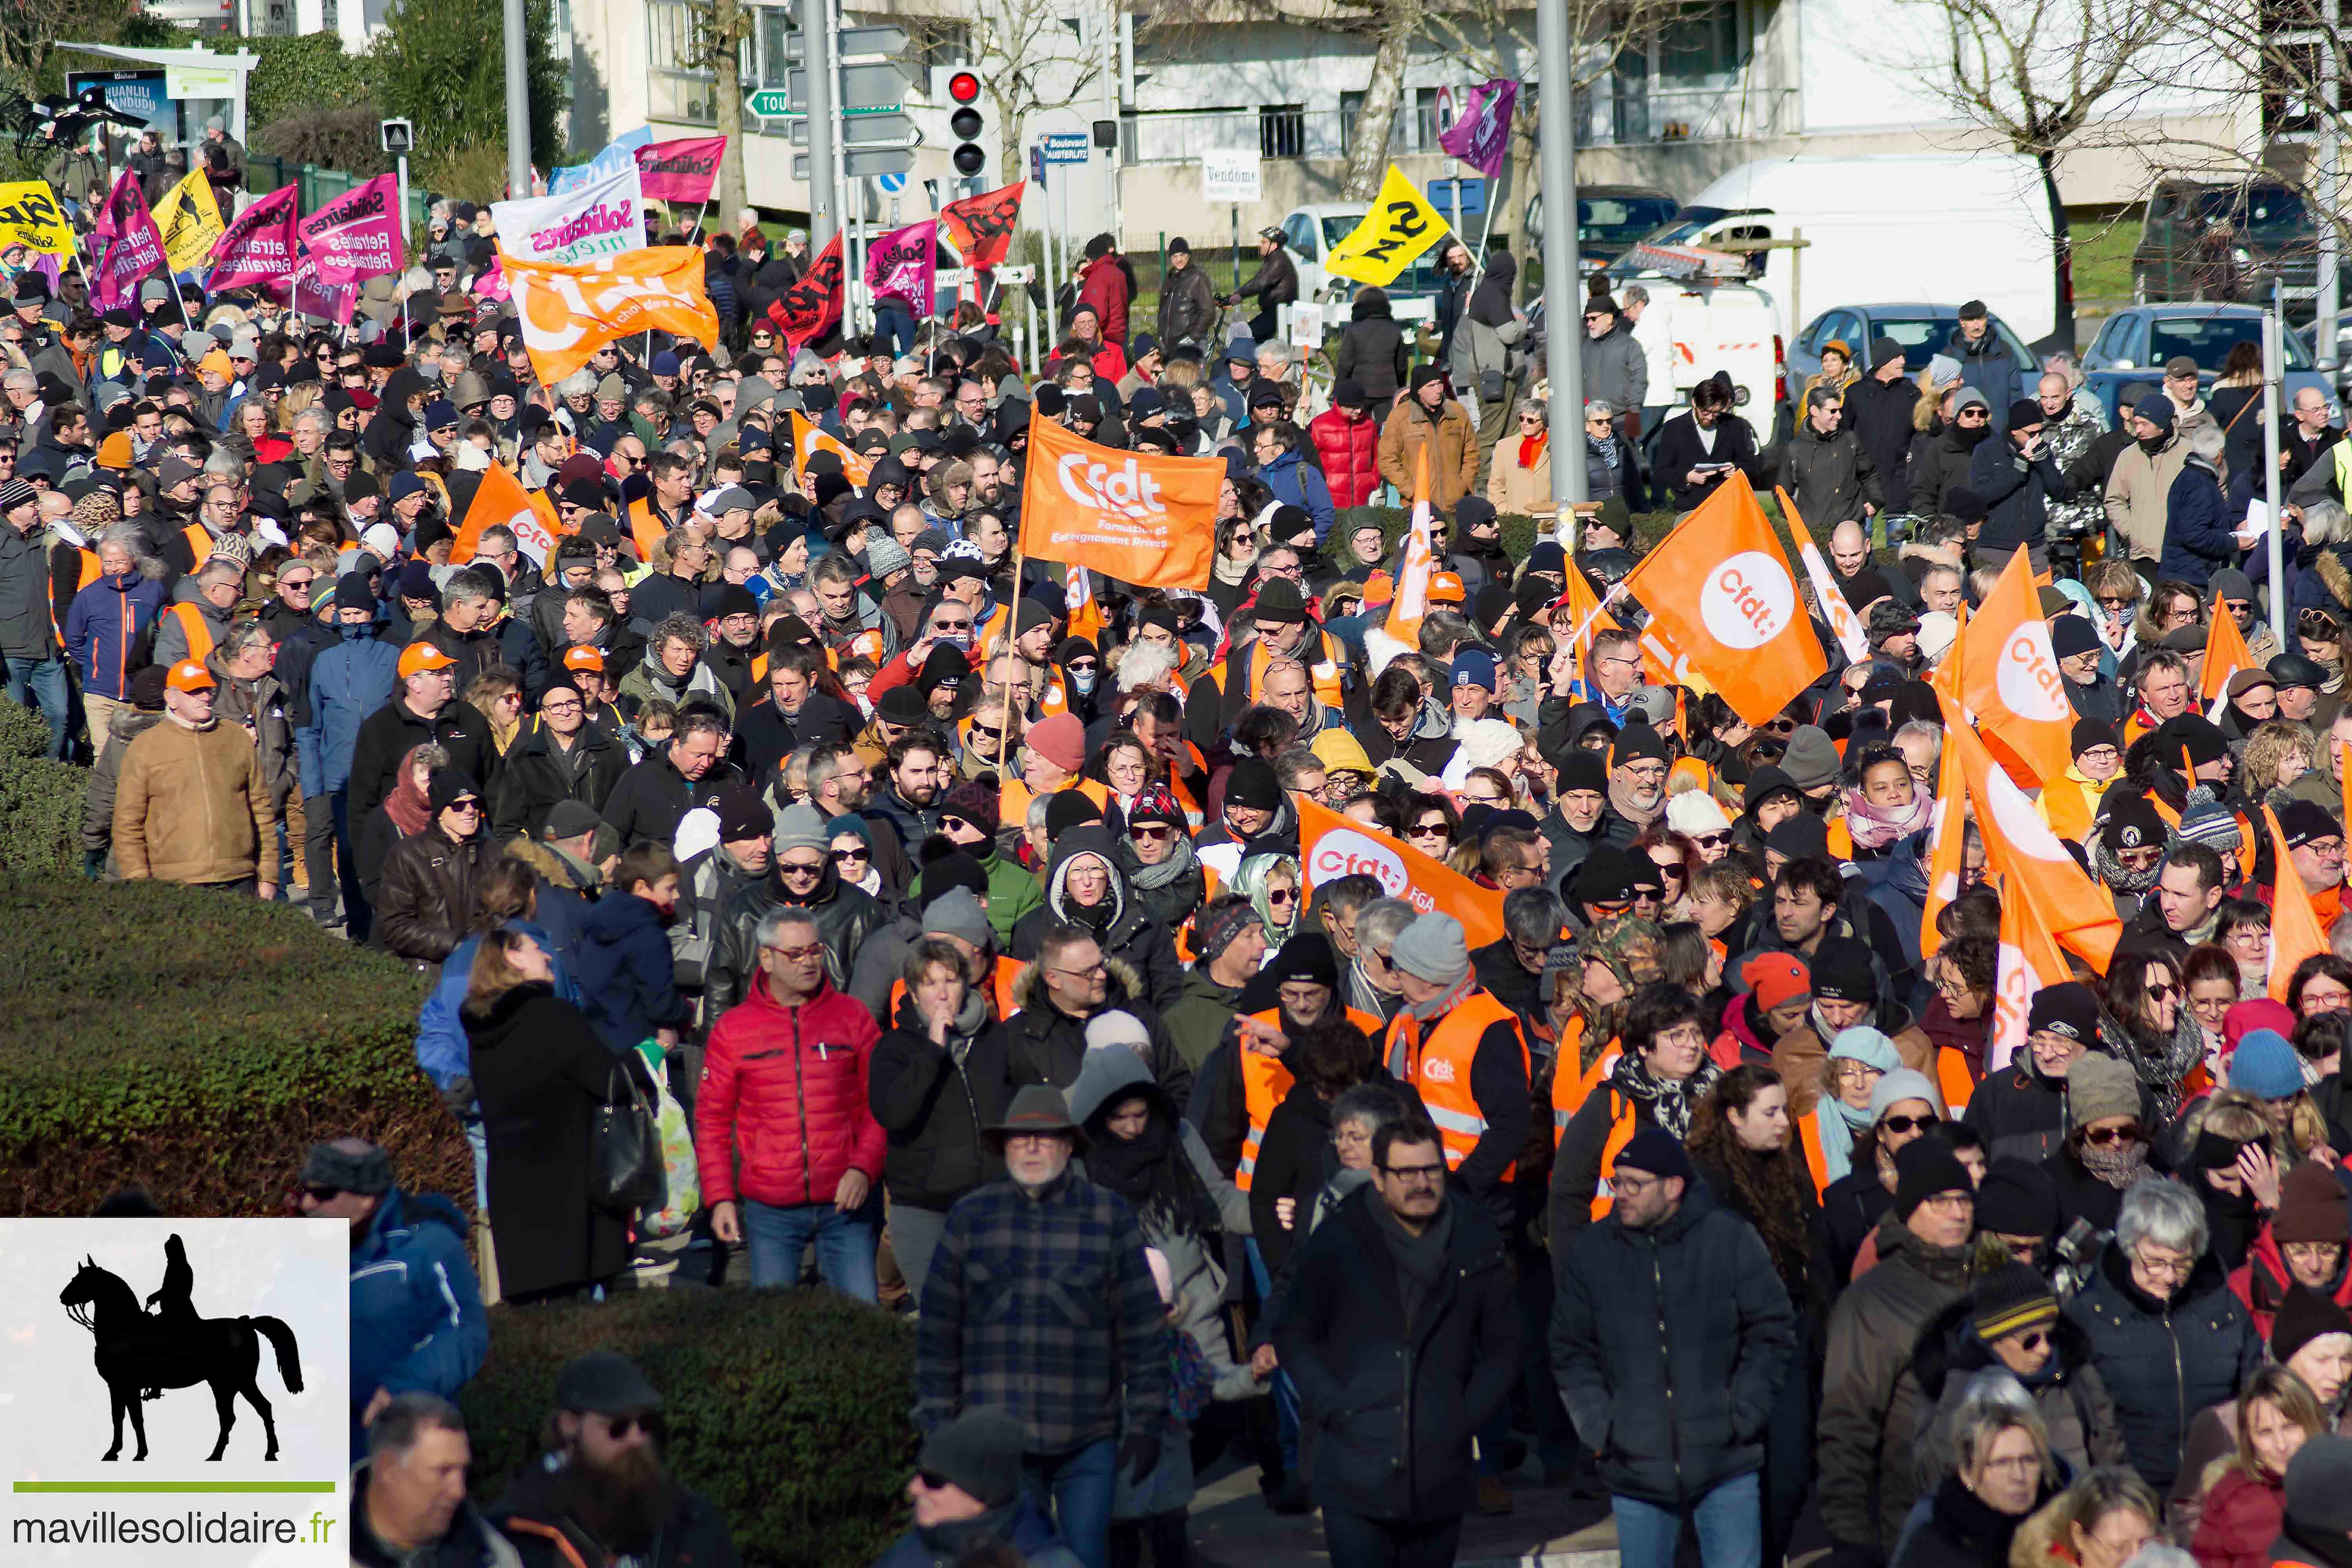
{"x":974,"y":802}
{"x":1923,"y":1168}
{"x":1657,"y":1151}
{"x":2099,"y":1085}
{"x":2320,"y":1476}
{"x":2071,"y":635}
{"x":2300,"y":823}
{"x":2090,"y":733}
{"x":1812,"y":760}
{"x":2303,"y":1316}
{"x":949,"y":868}
{"x":1695,"y":812}
{"x":1306,"y":959}
{"x":1894,"y":1085}
{"x":2265,"y":1066}
{"x":1252,"y":782}
{"x":1777,"y":979}
{"x":2018,"y":1198}
{"x":2210,"y":822}
{"x":801,"y":826}
{"x":1867,"y":1045}
{"x":742,"y":814}
{"x":2310,"y":1206}
{"x":978,"y":1453}
{"x":2011,"y":1298}
{"x":2067,"y":1008}
{"x":1842,"y":971}
{"x":368,"y":1173}
{"x":1060,"y":740}
{"x":1433,"y":949}
{"x":1803,"y":836}
{"x":1215,"y":930}
{"x":1116,"y":1031}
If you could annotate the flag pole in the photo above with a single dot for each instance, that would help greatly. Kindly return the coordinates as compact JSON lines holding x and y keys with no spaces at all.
{"x":1012,"y":633}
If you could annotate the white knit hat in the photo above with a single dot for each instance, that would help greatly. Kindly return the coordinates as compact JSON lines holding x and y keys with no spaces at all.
{"x":1695,"y":812}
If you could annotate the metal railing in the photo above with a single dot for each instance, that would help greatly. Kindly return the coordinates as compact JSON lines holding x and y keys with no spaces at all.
{"x":1609,"y":119}
{"x":264,"y":174}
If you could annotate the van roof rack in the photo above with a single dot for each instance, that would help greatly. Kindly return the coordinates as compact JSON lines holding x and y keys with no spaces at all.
{"x":1687,"y":262}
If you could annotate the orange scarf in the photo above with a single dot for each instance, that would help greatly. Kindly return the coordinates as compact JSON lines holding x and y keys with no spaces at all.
{"x":1531,"y":448}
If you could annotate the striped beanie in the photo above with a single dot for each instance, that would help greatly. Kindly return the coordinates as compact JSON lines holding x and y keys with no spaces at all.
{"x":2012,"y":1296}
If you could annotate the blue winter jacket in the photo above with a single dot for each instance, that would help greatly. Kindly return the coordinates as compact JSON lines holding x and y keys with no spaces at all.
{"x":1295,"y":483}
{"x":348,"y":683}
{"x":104,"y":626}
{"x":2197,"y":540}
{"x":441,"y":1047}
{"x":625,"y":971}
{"x":416,"y":1311}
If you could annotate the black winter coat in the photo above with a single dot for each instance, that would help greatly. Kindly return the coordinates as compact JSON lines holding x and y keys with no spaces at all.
{"x":1961,"y":1531}
{"x":2164,"y":1362}
{"x":540,"y":1073}
{"x":390,"y":732}
{"x":1679,"y":451}
{"x":1372,"y":350}
{"x":426,"y":900}
{"x":934,"y":1102}
{"x":1045,"y":1045}
{"x":845,"y":916}
{"x":531,"y":780}
{"x":1668,"y":1345}
{"x":1879,"y":414}
{"x":1829,"y":476}
{"x":646,"y":803}
{"x":2018,"y":494}
{"x":1393,"y":1405}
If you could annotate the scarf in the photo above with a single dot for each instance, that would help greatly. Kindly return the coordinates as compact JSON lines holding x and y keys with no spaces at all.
{"x":1671,"y":1101}
{"x":1837,"y":1132}
{"x":1604,"y":450}
{"x":1874,"y":828}
{"x":407,"y":806}
{"x":1532,"y":448}
{"x":1151,"y":1172}
{"x":1420,"y":1260}
{"x":2116,"y":1165}
{"x":1152,"y":878}
{"x":1232,"y":572}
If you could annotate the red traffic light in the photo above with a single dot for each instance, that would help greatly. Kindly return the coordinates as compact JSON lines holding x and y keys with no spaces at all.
{"x":963,"y":86}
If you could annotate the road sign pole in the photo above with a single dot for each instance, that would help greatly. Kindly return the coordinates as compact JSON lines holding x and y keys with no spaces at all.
{"x":1563,"y":319}
{"x":1053,"y":271}
{"x":833,"y":87}
{"x":824,"y":199}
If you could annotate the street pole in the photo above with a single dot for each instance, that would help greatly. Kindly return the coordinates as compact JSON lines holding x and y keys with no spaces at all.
{"x":517,"y":105}
{"x":2274,"y":362}
{"x":2322,"y":337}
{"x":834,"y":137}
{"x":403,"y":209}
{"x":816,"y":59}
{"x":1563,"y":308}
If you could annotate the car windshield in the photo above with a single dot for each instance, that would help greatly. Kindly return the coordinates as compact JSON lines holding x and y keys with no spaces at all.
{"x":1419,"y":278}
{"x":1686,"y":225}
{"x":2208,"y":338}
{"x":1927,"y":332}
{"x":1620,"y":220}
{"x":2265,"y":211}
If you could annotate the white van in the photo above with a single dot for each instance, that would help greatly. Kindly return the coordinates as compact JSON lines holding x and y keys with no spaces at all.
{"x":1310,"y":233}
{"x":1949,"y":225}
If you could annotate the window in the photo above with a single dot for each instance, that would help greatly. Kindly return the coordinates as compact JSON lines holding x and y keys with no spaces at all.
{"x":944,"y":45}
{"x":1426,"y":125}
{"x":680,"y":86}
{"x":776,"y":28}
{"x":1298,"y":234}
{"x":1282,"y":130}
{"x":1351,"y":105}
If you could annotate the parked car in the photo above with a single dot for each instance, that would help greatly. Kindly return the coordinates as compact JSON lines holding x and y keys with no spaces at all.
{"x":2224,"y":242}
{"x":1922,"y":330}
{"x":2125,"y":362}
{"x":1609,"y":219}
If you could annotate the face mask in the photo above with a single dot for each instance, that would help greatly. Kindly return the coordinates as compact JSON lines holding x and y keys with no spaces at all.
{"x":1084,"y":684}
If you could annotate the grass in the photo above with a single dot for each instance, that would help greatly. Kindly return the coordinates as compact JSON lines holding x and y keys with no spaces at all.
{"x":2104,"y":240}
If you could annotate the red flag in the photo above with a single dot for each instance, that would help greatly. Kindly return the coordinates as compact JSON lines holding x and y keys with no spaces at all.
{"x":981,"y":227}
{"x":811,"y":307}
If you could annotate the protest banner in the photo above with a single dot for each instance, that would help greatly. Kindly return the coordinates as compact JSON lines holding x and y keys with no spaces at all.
{"x":981,"y":227}
{"x":503,"y":500}
{"x":356,"y":235}
{"x":601,"y":219}
{"x":30,"y":217}
{"x":904,"y":263}
{"x":811,"y":307}
{"x":133,"y":247}
{"x":258,"y":246}
{"x":190,"y":223}
{"x":679,"y":172}
{"x":1331,"y":846}
{"x":567,"y":313}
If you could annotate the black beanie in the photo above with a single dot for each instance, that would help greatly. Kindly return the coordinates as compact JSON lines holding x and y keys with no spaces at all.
{"x":1605,"y":876}
{"x":1923,"y":1168}
{"x":2091,"y":732}
{"x":1067,"y":809}
{"x":953,"y":869}
{"x":2024,"y":414}
{"x":1657,"y":1151}
{"x":448,"y":784}
{"x":1254,"y":784}
{"x":2303,"y":1316}
{"x":2018,"y":1198}
{"x":2071,"y":635}
{"x":1581,"y":769}
{"x":1306,"y":959}
{"x":1842,"y":971}
{"x":353,"y":593}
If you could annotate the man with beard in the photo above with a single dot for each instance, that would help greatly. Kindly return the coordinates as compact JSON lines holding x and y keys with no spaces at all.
{"x":912,"y":764}
{"x":969,"y":1502}
{"x":1895,"y":637}
{"x":602,"y":1492}
{"x":1637,"y":784}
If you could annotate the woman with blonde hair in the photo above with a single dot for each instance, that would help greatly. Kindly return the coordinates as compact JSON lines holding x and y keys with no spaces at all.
{"x":2278,"y":752}
{"x":496,"y":694}
{"x":2245,"y":1493}
{"x":2003,"y":1472}
{"x":2098,"y":1523}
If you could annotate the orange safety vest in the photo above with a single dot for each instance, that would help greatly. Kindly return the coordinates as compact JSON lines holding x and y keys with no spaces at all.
{"x":1571,"y":1090}
{"x":89,"y":574}
{"x":645,"y":528}
{"x":1322,"y":674}
{"x":1013,"y":799}
{"x":1621,"y":1125}
{"x":200,"y":636}
{"x":1264,"y":1082}
{"x":1809,"y":1135}
{"x":1008,"y":969}
{"x":200,"y":545}
{"x":1439,"y":1068}
{"x":1954,"y":1079}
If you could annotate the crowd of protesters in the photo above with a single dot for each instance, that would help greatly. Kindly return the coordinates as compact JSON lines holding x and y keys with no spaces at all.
{"x":972,"y":923}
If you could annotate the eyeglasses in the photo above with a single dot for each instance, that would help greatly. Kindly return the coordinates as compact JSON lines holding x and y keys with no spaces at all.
{"x":1089,"y":972}
{"x":296,"y":581}
{"x":799,"y":869}
{"x":1412,"y":1174}
{"x":1153,"y":832}
{"x":844,"y":857}
{"x":799,"y":954}
{"x":1280,"y":895}
{"x":622,"y":1426}
{"x":2100,"y":1137}
{"x":1909,"y":1123}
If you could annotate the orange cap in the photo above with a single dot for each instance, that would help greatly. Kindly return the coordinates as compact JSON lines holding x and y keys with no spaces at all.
{"x":1446,"y":586}
{"x":583,"y":658}
{"x":420,"y":657}
{"x":1379,"y":588}
{"x":189,"y":676}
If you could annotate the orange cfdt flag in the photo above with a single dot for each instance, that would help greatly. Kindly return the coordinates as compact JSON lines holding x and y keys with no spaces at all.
{"x":1947,"y":847}
{"x":1146,"y":520}
{"x":1843,"y":622}
{"x":568,"y":312}
{"x":2009,"y":680}
{"x":2225,"y":654}
{"x":1720,"y":591}
{"x":2295,"y":930}
{"x":1416,"y":563}
{"x":501,"y":499}
{"x":2030,"y":960}
{"x":809,"y":439}
{"x":1332,"y":846}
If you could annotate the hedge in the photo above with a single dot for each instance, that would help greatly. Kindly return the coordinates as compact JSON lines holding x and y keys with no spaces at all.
{"x":40,"y":801}
{"x":197,"y":1044}
{"x":786,"y":1408}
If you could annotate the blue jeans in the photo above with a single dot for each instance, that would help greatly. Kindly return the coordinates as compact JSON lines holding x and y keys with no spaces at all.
{"x":894,"y":324}
{"x":1730,"y":1530}
{"x":1078,"y":1487}
{"x":844,"y":1246}
{"x":45,"y":679}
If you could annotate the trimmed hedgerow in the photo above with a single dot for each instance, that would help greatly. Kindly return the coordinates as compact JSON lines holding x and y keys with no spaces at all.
{"x":196,"y":1044}
{"x":785,"y":1408}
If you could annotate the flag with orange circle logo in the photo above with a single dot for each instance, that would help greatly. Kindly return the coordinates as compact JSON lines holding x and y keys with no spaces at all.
{"x":2295,"y":931}
{"x":2009,"y":682}
{"x":500,"y":499}
{"x":568,"y":312}
{"x":1725,"y":604}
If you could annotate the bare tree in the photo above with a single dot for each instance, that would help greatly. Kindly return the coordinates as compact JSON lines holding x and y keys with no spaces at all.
{"x":721,"y":34}
{"x":2043,"y":76}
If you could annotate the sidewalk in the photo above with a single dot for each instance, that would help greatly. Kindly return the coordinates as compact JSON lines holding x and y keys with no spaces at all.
{"x":1232,"y":1527}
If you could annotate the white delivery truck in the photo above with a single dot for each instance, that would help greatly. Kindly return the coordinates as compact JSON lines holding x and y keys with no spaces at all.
{"x":1952,"y":226}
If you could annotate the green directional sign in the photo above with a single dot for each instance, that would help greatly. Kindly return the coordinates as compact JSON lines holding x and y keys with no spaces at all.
{"x":768,"y":103}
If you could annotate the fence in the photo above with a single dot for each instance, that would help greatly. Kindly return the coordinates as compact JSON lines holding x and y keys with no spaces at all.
{"x":264,"y":174}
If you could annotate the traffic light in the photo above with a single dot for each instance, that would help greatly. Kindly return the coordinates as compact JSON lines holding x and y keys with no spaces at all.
{"x":966,"y":123}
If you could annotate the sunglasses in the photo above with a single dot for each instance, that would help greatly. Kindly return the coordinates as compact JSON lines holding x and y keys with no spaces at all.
{"x":318,"y":1194}
{"x":844,"y":857}
{"x":2100,"y":1137}
{"x":1152,"y":833}
{"x":470,"y":807}
{"x":622,"y":1426}
{"x":1909,"y":1123}
{"x":2034,"y":1341}
{"x":1280,"y":895}
{"x":792,"y":869}
{"x":1426,"y":830}
{"x":1711,"y":840}
{"x":2158,"y":993}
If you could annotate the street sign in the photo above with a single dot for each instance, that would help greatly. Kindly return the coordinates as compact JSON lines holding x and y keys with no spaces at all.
{"x":866,"y":129}
{"x":1067,"y":146}
{"x":892,"y":183}
{"x":862,"y":162}
{"x":854,"y":41}
{"x":1231,"y":178}
{"x":1037,"y":166}
{"x":864,"y":90}
{"x":768,"y":103}
{"x":1473,"y":195}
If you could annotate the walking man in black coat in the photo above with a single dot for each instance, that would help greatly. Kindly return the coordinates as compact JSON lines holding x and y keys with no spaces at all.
{"x":1669,"y":1339}
{"x":1400,"y":1332}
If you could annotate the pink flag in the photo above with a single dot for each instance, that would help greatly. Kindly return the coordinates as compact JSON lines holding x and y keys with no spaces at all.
{"x":1482,"y":136}
{"x":134,"y":248}
{"x":327,"y":301}
{"x":903,"y":263}
{"x":258,"y":246}
{"x":357,"y":235}
{"x":680,"y":171}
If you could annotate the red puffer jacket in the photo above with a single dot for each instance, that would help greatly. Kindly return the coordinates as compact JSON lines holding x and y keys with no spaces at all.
{"x":787,"y":1085}
{"x":2239,"y":1521}
{"x":1349,"y":451}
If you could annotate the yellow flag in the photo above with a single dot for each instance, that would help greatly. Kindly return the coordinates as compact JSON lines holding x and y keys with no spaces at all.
{"x":31,"y":217}
{"x":190,"y":221}
{"x":1400,"y":226}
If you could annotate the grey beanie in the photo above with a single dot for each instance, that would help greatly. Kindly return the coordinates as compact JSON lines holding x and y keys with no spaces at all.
{"x":801,"y":826}
{"x":2319,"y":1485}
{"x":1811,"y":759}
{"x":1433,"y":949}
{"x":957,"y":913}
{"x":1902,"y":1084}
{"x":884,"y":555}
{"x":367,"y":1172}
{"x":2099,"y":1085}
